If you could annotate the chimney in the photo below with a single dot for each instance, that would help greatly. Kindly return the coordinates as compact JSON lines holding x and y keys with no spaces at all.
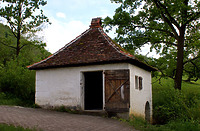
{"x":96,"y":22}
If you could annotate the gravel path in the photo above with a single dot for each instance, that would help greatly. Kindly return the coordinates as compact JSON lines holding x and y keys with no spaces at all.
{"x":58,"y":121}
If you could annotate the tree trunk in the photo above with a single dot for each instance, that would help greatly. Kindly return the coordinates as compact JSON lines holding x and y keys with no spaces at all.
{"x":19,"y":29}
{"x":18,"y":45}
{"x":179,"y":65}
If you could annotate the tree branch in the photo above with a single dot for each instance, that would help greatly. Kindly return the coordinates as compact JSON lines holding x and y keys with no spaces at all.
{"x":161,"y":30}
{"x":166,"y":19}
{"x":12,"y":29}
{"x":194,"y":17}
{"x":190,"y":60}
{"x":8,"y":45}
{"x":23,"y":46}
{"x":169,"y":43}
{"x":195,"y":65}
{"x":189,"y":72}
{"x":168,"y":14}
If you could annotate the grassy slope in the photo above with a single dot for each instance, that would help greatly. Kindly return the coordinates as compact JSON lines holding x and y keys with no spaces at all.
{"x":4,"y":127}
{"x":168,"y":83}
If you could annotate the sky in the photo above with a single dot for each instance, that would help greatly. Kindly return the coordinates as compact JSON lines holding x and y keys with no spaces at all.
{"x":70,"y":18}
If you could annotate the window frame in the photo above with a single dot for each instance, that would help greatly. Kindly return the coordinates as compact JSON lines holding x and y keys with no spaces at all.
{"x":138,"y":82}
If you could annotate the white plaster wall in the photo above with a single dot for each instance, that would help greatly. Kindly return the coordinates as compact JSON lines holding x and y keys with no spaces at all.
{"x":138,"y":98}
{"x":62,"y":86}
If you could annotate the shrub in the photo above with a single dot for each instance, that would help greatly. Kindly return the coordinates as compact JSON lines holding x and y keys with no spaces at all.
{"x":7,"y":99}
{"x":18,"y":81}
{"x":183,"y":125}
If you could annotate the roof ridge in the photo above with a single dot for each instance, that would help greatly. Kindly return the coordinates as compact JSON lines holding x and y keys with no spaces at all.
{"x":114,"y":45}
{"x":118,"y":48}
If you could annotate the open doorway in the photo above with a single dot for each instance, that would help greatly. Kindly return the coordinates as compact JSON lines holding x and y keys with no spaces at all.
{"x":93,"y":99}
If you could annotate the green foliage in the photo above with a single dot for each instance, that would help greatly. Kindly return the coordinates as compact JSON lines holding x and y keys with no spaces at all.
{"x":139,"y":22}
{"x":4,"y":127}
{"x":20,"y":14}
{"x":183,"y":125}
{"x":16,"y":81}
{"x":170,"y":104}
{"x":6,"y":37}
{"x":139,"y":124}
{"x":173,"y":110}
{"x":35,"y":106}
{"x":7,"y":99}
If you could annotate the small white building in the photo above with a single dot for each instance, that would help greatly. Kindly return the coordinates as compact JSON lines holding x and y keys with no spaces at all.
{"x":92,"y":72}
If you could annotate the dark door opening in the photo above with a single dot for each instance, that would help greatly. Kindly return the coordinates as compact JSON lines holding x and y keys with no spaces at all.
{"x":93,"y":90}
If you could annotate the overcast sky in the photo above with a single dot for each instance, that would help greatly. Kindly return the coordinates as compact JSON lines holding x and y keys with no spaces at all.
{"x":70,"y":18}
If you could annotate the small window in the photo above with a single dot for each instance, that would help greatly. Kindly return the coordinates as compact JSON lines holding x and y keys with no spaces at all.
{"x":138,"y":82}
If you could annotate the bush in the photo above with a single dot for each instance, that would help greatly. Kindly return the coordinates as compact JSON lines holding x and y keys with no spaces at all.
{"x":183,"y":125}
{"x":18,"y":81}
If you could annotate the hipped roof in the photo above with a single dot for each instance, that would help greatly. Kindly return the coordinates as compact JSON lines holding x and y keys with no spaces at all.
{"x":92,"y":47}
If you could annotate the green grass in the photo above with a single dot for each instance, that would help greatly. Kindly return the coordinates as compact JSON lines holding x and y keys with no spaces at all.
{"x":140,"y":124}
{"x":65,"y":109}
{"x":5,"y":127}
{"x":168,"y":83}
{"x":7,"y":99}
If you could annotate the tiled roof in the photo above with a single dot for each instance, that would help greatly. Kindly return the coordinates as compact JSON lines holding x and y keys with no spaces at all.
{"x":92,"y":47}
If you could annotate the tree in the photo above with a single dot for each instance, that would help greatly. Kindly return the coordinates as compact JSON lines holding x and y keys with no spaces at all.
{"x":6,"y":53}
{"x":170,"y":26}
{"x":21,"y":18}
{"x":15,"y":78}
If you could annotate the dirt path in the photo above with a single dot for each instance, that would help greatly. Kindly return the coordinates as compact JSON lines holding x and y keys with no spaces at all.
{"x":58,"y":121}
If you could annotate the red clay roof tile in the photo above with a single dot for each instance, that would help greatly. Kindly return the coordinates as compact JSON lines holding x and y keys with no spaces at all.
{"x":92,"y":47}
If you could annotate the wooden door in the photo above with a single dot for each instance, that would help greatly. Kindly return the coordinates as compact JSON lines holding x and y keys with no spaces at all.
{"x":117,"y":90}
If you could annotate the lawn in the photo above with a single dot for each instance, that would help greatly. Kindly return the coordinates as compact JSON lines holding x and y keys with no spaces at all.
{"x":5,"y":127}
